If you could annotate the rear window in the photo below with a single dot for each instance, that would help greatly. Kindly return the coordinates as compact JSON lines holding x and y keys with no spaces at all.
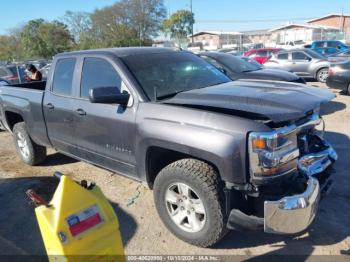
{"x":63,"y":76}
{"x":262,"y":53}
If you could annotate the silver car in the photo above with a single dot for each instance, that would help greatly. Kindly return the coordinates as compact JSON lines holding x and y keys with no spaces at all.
{"x":304,"y":62}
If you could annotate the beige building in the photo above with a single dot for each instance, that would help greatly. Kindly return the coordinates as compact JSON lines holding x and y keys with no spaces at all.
{"x":339,"y":21}
{"x":303,"y":32}
{"x":211,"y":40}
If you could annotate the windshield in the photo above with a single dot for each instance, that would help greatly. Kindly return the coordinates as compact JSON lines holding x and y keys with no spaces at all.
{"x":237,"y":64}
{"x":162,"y":75}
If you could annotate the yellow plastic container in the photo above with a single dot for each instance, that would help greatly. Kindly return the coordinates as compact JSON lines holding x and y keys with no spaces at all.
{"x":80,"y":225}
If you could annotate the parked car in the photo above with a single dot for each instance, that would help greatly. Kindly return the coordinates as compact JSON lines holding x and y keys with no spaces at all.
{"x":303,"y":62}
{"x":339,"y":76}
{"x":326,"y":51}
{"x":261,"y":55}
{"x":238,"y":68}
{"x":217,"y":153}
{"x":330,"y":44}
{"x":13,"y":74}
{"x":343,"y":55}
{"x":291,"y":45}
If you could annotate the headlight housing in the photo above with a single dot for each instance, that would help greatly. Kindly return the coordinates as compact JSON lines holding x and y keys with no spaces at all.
{"x":272,"y":154}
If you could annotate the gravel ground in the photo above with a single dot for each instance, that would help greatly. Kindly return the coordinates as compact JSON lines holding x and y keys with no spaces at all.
{"x":142,"y":231}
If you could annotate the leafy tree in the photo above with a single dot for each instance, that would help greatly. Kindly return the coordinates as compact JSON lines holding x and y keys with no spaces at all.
{"x":79,"y":24}
{"x":10,"y":46}
{"x":179,"y":25}
{"x":128,"y":22}
{"x":45,"y":39}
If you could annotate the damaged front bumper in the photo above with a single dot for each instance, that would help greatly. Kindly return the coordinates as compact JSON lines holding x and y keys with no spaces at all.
{"x":293,"y":214}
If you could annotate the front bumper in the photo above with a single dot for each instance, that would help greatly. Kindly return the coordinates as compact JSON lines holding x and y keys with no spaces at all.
{"x":292,"y":214}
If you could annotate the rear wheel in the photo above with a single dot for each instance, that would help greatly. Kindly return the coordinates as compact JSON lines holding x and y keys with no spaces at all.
{"x":31,"y":153}
{"x":322,"y":75}
{"x":189,"y":200}
{"x":348,"y":90}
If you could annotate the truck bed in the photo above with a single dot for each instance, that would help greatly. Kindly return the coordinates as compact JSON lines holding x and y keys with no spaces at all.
{"x":38,"y":85}
{"x":25,"y":100}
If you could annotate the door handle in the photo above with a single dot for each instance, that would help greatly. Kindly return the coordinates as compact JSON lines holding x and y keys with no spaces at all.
{"x":50,"y":106}
{"x":81,"y":112}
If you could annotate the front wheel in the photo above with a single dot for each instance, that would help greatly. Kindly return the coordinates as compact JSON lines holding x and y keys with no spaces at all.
{"x":189,"y":199}
{"x":31,"y":153}
{"x":322,"y":75}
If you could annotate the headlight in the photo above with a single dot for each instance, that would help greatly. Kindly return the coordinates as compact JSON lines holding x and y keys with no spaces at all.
{"x":273,"y":153}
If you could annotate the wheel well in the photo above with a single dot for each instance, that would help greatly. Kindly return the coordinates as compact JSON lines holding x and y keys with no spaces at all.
{"x":157,"y":158}
{"x":12,"y":119}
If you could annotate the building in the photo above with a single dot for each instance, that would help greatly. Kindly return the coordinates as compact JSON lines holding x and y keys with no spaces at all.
{"x":256,"y":37}
{"x":211,"y":40}
{"x":303,"y":32}
{"x":339,"y":21}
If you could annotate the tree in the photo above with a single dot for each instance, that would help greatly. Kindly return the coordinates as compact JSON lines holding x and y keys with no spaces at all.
{"x":179,"y":25}
{"x":45,"y":39}
{"x":10,"y":46}
{"x":79,"y":24}
{"x":128,"y":22}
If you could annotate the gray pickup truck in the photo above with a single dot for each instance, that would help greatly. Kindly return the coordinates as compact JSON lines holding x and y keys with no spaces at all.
{"x":218,"y":154}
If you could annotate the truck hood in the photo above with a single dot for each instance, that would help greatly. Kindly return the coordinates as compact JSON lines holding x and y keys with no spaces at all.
{"x":272,"y":74}
{"x":277,"y":101}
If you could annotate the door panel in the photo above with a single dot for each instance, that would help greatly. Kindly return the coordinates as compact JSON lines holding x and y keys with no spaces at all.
{"x":300,"y":63}
{"x":105,"y":132}
{"x":58,"y":106}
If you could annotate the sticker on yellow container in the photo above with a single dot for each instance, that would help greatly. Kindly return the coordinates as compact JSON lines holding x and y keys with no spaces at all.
{"x":84,"y":220}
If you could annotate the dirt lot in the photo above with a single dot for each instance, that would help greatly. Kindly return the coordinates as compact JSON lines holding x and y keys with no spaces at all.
{"x":142,"y":230}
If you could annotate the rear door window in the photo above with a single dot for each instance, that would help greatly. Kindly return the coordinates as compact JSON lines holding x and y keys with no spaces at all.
{"x":63,"y":76}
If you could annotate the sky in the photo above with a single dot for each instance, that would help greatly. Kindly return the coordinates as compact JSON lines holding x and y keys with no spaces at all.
{"x":221,"y":15}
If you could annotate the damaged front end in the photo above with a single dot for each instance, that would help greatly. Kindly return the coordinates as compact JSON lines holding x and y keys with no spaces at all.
{"x":290,"y":168}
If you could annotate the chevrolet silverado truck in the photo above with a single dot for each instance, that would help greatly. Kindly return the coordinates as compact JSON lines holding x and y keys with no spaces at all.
{"x":218,"y":154}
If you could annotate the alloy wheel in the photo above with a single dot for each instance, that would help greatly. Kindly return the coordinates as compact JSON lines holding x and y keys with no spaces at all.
{"x":185,"y":208}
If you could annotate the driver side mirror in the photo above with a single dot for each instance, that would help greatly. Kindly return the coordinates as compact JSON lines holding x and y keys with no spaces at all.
{"x":108,"y":95}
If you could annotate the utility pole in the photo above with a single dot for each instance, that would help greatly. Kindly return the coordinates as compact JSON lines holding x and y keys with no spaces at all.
{"x":192,"y":23}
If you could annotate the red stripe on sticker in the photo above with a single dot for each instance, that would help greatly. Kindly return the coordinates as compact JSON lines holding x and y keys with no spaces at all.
{"x":85,"y":224}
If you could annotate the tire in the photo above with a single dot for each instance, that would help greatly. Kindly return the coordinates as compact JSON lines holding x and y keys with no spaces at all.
{"x":348,"y":90}
{"x":205,"y":191}
{"x":30,"y":153}
{"x":322,"y":75}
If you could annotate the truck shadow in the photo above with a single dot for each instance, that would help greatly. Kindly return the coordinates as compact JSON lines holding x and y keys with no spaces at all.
{"x":332,"y":107}
{"x":331,"y":226}
{"x":57,"y":159}
{"x":19,"y":230}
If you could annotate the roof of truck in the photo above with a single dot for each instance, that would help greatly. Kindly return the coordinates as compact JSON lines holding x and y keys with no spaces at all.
{"x":122,"y":51}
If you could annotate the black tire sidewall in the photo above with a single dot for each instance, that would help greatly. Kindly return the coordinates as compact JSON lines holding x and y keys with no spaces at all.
{"x":168,"y":177}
